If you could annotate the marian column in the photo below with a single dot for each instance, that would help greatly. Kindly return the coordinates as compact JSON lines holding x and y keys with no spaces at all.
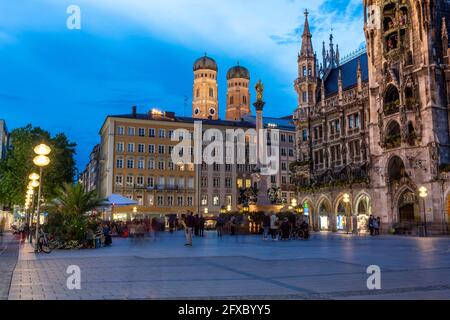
{"x":261,"y":147}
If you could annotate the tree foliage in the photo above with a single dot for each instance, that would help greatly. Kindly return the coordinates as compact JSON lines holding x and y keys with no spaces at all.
{"x":15,"y":169}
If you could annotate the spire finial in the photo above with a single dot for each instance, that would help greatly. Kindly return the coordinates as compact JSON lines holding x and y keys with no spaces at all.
{"x":307,"y":47}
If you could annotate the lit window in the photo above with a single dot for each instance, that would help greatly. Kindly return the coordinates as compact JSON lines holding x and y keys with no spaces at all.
{"x":216,"y":201}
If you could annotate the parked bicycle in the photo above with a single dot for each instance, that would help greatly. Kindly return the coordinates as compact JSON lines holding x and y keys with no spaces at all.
{"x":43,"y":243}
{"x":301,"y":232}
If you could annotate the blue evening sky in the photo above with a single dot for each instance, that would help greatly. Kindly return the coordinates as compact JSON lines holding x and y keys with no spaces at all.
{"x":140,"y":52}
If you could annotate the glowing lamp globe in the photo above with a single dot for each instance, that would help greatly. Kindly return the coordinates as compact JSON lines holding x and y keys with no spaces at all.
{"x":423,"y":192}
{"x":33,"y":176}
{"x":346,"y":198}
{"x":34,"y":184}
{"x":294,"y":202}
{"x":41,"y":161}
{"x":42,"y":150}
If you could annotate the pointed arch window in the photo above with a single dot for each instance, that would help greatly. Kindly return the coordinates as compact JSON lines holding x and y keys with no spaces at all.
{"x":231,"y":100}
{"x":304,"y":71}
{"x":244,"y":99}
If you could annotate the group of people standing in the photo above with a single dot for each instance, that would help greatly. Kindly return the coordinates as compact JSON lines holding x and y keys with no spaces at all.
{"x":193,"y":225}
{"x":374,"y":225}
{"x":283,"y":230}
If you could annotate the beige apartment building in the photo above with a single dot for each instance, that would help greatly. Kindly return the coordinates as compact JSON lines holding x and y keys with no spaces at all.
{"x":136,"y":162}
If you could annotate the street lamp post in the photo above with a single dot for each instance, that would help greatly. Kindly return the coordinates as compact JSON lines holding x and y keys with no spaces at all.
{"x":423,"y":193}
{"x":41,"y":160}
{"x":34,"y":183}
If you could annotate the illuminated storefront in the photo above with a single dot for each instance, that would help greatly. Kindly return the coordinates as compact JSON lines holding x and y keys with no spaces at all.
{"x":324,"y":219}
{"x":341,"y":217}
{"x":324,"y":223}
{"x":363,"y":214}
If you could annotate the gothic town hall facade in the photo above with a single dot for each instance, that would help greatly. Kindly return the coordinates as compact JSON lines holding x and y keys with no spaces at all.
{"x":373,"y":130}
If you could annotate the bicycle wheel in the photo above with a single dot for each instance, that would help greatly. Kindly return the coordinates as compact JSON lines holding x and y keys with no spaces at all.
{"x":301,"y":234}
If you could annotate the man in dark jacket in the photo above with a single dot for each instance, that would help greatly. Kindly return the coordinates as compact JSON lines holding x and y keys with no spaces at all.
{"x":196,"y":225}
{"x":189,"y":226}
{"x":201,"y":226}
{"x":371,"y":225}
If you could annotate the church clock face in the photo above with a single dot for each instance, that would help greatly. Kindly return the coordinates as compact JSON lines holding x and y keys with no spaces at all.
{"x":212,"y":111}
{"x":196,"y":111}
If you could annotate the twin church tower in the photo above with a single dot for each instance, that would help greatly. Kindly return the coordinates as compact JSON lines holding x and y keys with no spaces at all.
{"x":205,"y":104}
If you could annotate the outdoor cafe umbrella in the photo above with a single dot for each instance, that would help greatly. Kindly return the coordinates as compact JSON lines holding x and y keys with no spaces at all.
{"x":118,"y":200}
{"x":115,"y":200}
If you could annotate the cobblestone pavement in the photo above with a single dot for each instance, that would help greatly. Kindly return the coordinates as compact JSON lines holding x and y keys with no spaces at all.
{"x":328,"y":266}
{"x":9,"y":249}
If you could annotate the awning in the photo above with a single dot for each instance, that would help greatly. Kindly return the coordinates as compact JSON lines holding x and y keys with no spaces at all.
{"x":118,"y":200}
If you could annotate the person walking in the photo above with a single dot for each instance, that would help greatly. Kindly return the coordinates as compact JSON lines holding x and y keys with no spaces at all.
{"x":273,"y":226}
{"x":285,"y":229}
{"x":233,"y":225}
{"x":196,"y":225}
{"x":266,"y":225}
{"x":172,"y":218}
{"x":377,"y":225}
{"x":371,"y":225}
{"x":107,"y":235}
{"x":219,"y":226}
{"x":189,"y":227}
{"x":201,"y":225}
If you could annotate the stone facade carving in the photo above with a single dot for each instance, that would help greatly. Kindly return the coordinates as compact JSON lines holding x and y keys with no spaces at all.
{"x":404,"y":140}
